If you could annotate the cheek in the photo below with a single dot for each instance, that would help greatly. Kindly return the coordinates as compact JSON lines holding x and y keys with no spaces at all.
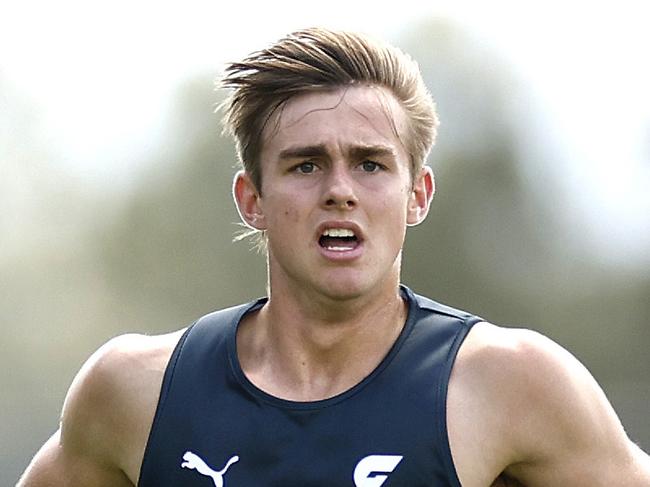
{"x":291,"y":215}
{"x":284,"y":218}
{"x":282,"y":211}
{"x":394,"y":206}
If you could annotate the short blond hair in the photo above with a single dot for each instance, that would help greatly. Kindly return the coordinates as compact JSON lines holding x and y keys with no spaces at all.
{"x":320,"y":59}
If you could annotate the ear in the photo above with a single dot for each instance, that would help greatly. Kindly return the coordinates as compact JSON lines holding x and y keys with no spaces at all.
{"x":424,"y":186}
{"x":247,"y":199}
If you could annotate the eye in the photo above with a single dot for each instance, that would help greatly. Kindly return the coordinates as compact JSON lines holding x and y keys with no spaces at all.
{"x":370,"y":166}
{"x":305,"y":168}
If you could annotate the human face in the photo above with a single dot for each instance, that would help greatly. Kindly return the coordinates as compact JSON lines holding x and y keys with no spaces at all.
{"x":337,"y":193}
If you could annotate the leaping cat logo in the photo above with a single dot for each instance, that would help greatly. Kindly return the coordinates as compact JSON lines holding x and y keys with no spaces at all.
{"x":193,"y":461}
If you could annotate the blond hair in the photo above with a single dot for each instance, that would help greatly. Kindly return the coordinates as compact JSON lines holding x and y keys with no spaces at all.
{"x":314,"y":60}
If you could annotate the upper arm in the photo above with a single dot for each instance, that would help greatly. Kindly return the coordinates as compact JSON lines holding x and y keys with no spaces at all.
{"x":57,"y":465}
{"x":103,"y":423}
{"x":536,"y":414}
{"x":566,"y":431}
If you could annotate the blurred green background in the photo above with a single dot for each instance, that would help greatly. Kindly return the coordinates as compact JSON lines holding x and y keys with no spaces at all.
{"x":139,"y":238}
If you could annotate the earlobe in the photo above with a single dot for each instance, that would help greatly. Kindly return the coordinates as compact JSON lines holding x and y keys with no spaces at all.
{"x":423,"y":190}
{"x":247,"y":199}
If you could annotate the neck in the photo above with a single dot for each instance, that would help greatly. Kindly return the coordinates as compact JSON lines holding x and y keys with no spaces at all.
{"x":303,"y":347}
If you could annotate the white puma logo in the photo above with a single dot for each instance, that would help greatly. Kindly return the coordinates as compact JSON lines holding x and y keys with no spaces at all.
{"x":193,"y":461}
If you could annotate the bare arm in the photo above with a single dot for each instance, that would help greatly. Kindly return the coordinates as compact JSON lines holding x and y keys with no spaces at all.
{"x":106,"y":417}
{"x":570,"y":434}
{"x":535,"y":415}
{"x":76,"y":453}
{"x":59,"y":465}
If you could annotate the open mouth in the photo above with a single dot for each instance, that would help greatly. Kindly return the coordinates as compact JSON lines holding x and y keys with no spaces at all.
{"x":338,"y":240}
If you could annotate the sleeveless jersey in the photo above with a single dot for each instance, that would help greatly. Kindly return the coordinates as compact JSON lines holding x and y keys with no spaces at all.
{"x":213,"y":427}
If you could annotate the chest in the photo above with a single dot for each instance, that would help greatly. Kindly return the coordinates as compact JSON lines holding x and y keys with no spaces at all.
{"x":238,"y":440}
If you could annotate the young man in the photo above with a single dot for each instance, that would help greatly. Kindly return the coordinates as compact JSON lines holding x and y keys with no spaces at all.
{"x":341,"y":376}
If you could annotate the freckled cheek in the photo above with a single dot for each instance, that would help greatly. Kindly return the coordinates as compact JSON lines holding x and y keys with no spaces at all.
{"x":283,"y":210}
{"x":287,"y":213}
{"x":291,"y":215}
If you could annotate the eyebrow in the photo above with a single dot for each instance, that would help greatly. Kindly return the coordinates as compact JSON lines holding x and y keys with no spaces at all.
{"x":361,"y":152}
{"x":320,"y":150}
{"x":304,"y":151}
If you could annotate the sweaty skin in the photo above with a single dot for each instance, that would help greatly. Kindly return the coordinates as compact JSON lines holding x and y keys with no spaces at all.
{"x":520,"y":410}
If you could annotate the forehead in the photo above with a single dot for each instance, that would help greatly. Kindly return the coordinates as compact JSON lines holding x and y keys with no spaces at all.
{"x":348,"y":116}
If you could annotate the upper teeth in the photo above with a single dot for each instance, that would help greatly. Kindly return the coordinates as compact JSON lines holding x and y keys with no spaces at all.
{"x":338,"y":232}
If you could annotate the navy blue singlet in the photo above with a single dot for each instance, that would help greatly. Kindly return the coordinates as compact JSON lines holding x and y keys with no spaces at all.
{"x":213,"y":427}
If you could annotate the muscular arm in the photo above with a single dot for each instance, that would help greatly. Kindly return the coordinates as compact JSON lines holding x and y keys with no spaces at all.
{"x":535,"y":414}
{"x":569,"y":434}
{"x":59,"y":464}
{"x":106,"y":417}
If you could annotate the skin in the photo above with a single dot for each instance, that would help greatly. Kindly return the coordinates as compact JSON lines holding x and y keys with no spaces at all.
{"x":521,"y":410}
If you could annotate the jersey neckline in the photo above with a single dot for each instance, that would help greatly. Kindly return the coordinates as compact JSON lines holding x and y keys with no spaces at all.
{"x":264,"y":396}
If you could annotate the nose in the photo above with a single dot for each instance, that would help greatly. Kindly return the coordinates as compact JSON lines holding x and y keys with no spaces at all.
{"x":339,"y":191}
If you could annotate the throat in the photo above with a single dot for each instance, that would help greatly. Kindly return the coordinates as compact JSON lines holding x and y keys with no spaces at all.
{"x":316,"y":362}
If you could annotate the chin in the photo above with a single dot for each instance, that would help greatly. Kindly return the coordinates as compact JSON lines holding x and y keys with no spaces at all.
{"x":344,"y":290}
{"x":342,"y":294}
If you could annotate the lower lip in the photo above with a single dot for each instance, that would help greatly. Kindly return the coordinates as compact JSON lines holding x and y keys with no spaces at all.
{"x":342,"y":255}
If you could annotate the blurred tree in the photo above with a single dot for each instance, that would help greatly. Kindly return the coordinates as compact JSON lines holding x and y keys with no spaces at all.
{"x":169,"y":258}
{"x":498,"y":246}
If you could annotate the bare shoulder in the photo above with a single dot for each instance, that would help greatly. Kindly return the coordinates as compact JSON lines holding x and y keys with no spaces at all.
{"x":107,"y":414}
{"x":478,"y":414}
{"x":115,"y":394}
{"x":537,"y":410}
{"x":121,"y":372}
{"x":126,"y":371}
